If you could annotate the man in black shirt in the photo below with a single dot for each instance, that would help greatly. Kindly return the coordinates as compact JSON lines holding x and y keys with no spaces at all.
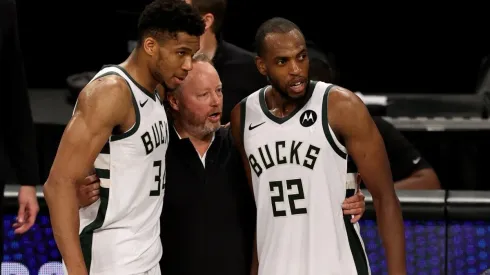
{"x":236,"y":66}
{"x":208,"y":218}
{"x":17,"y":140}
{"x":408,"y":168}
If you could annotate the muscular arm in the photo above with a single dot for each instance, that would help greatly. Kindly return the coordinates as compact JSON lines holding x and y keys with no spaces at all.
{"x":350,"y":120}
{"x":101,"y":106}
{"x":236,"y":131}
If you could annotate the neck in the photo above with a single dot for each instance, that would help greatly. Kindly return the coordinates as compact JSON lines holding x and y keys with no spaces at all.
{"x":209,"y":44}
{"x":197,"y":139}
{"x":137,"y":67}
{"x":280,"y":105}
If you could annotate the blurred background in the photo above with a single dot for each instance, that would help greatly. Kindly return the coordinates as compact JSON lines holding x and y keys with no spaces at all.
{"x":423,"y":69}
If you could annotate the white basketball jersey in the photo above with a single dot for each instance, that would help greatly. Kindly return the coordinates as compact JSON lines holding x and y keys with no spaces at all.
{"x":300,"y":179}
{"x":120,"y":233}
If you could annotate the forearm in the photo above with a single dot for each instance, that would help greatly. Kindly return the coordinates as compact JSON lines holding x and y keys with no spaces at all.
{"x":390,"y":224}
{"x":63,"y":209}
{"x":426,"y":180}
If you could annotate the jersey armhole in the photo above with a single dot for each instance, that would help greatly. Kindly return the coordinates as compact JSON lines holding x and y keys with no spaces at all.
{"x":329,"y":134}
{"x":136,"y":124}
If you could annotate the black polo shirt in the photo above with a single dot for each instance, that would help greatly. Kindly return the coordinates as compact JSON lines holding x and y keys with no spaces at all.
{"x":238,"y":73}
{"x":403,"y":156}
{"x":208,"y":215}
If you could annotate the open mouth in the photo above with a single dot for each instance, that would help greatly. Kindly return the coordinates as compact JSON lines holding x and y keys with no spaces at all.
{"x":297,"y":86}
{"x":215,"y":116}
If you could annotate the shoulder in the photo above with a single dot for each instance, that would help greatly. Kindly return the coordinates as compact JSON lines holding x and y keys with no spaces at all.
{"x":107,"y":91}
{"x":346,"y":112}
{"x":343,"y":100}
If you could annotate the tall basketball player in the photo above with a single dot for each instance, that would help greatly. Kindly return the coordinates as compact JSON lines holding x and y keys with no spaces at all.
{"x":120,"y":127}
{"x":296,"y":137}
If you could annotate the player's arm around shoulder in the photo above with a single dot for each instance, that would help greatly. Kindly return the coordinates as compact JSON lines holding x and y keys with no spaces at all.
{"x":236,"y":128}
{"x":353,"y":125}
{"x":102,"y":105}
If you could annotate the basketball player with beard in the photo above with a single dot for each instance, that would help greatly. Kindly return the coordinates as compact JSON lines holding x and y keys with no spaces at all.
{"x":296,"y":138}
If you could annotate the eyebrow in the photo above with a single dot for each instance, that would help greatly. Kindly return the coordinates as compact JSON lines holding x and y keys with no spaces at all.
{"x":185,"y":48}
{"x":304,"y":50}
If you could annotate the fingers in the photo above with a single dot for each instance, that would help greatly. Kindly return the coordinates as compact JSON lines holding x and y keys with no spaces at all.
{"x":355,"y":205}
{"x":88,"y":180}
{"x":90,"y":188}
{"x":358,"y":197}
{"x":94,"y":192}
{"x":353,"y":211}
{"x":31,"y":219}
{"x":356,"y":209}
{"x":22,"y":228}
{"x":30,"y":214}
{"x":88,"y":201}
{"x":356,"y":218}
{"x":93,"y":199}
{"x":21,"y":214}
{"x":351,"y":199}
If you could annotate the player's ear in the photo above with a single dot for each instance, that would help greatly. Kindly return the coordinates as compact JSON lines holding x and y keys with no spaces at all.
{"x":259,"y":62}
{"x":173,"y":101}
{"x":150,"y":46}
{"x":208,"y":19}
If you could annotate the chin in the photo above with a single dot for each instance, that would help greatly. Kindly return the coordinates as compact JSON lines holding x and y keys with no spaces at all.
{"x":297,"y":95}
{"x":213,"y":127}
{"x":170,"y":87}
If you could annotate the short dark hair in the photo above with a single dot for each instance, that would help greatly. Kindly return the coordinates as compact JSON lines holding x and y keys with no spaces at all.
{"x":216,"y":7}
{"x":274,"y":25}
{"x":170,"y":17}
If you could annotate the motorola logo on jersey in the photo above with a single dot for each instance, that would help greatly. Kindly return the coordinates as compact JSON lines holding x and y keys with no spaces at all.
{"x":159,"y":136}
{"x":307,"y":118}
{"x":283,"y":152}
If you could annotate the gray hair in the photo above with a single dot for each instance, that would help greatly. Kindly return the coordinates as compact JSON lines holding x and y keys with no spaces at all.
{"x":201,"y":57}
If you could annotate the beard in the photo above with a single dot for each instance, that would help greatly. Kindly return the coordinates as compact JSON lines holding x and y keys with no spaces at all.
{"x":197,"y":125}
{"x":275,"y":84}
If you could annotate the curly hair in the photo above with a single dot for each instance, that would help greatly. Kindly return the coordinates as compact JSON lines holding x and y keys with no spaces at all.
{"x":169,"y":17}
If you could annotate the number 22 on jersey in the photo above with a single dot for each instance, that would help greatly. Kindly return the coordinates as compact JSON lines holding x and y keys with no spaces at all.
{"x":291,"y":198}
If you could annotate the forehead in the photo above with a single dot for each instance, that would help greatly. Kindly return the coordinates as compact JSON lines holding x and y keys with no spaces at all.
{"x":202,"y":76}
{"x":188,"y":2}
{"x":284,"y":44}
{"x":181,"y":39}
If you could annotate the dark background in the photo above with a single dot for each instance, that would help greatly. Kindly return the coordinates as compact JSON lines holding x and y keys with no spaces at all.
{"x":402,"y":48}
{"x":385,"y":49}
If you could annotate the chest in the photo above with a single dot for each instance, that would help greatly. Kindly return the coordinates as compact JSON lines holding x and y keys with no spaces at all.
{"x":150,"y":133}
